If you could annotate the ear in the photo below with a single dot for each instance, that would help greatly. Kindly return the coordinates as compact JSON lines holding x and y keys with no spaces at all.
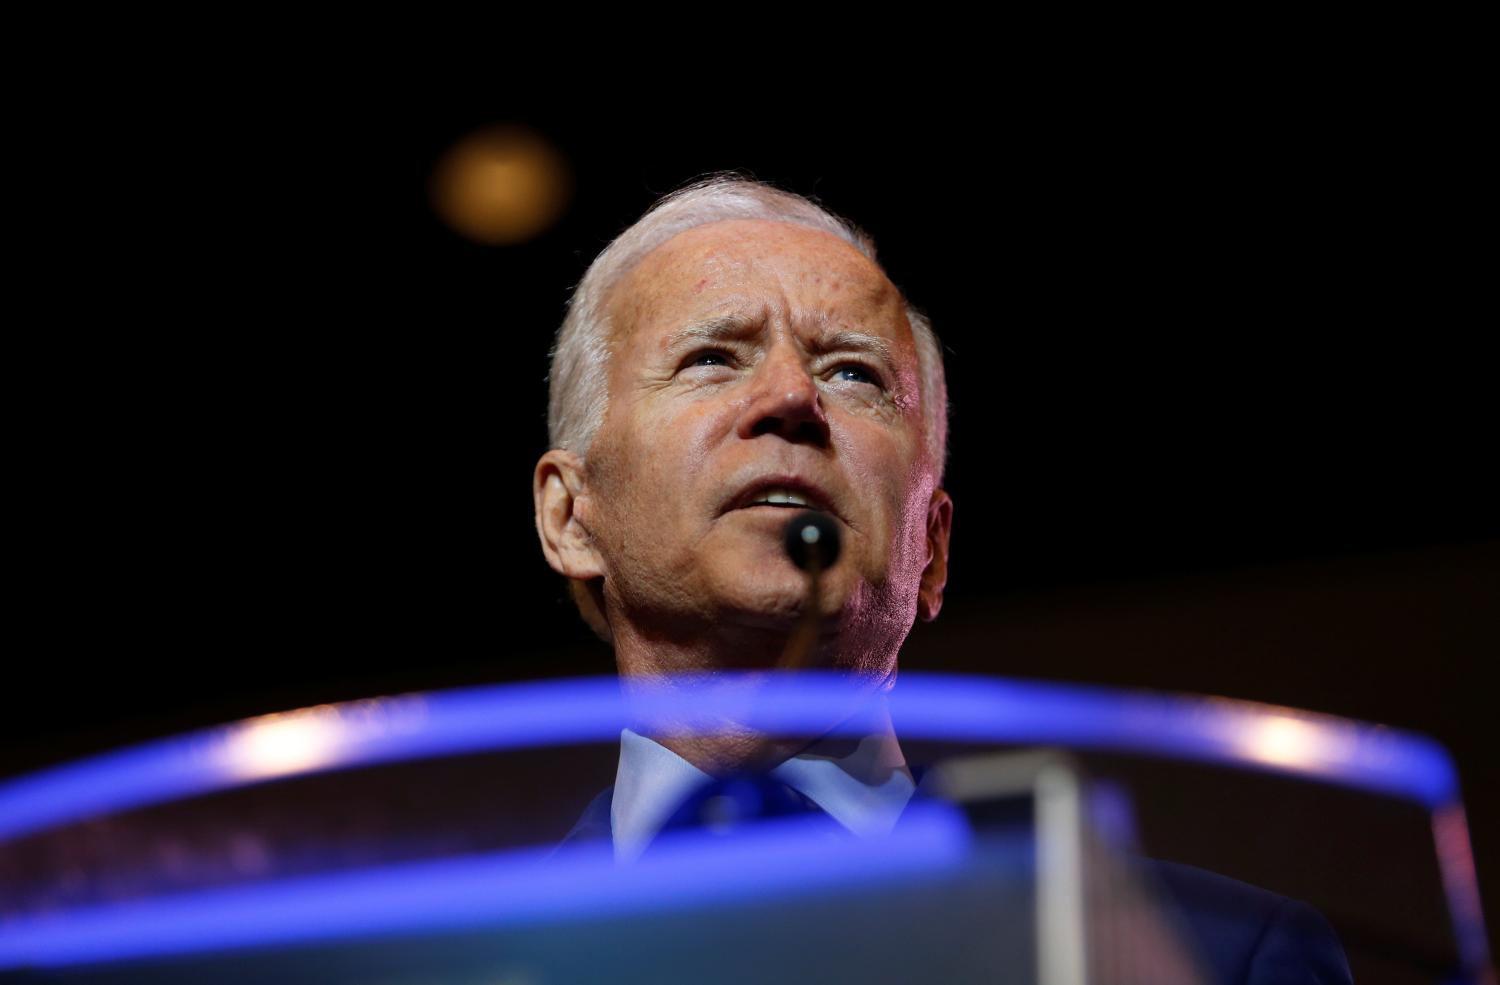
{"x":935,"y":575}
{"x":560,"y":495}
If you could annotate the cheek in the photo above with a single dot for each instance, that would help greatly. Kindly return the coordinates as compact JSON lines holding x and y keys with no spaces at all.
{"x":908,"y":549}
{"x":888,"y":473}
{"x":687,"y":439}
{"x":647,"y":479}
{"x":881,"y":464}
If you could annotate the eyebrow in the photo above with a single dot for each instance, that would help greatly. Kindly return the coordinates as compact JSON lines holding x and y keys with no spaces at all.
{"x":725,"y":328}
{"x":733,"y":328}
{"x":864,"y":342}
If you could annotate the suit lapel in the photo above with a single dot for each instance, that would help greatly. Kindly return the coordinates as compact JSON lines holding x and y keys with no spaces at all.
{"x":594,"y":825}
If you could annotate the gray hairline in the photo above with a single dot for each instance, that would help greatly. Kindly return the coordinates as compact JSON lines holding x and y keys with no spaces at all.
{"x":578,"y":379}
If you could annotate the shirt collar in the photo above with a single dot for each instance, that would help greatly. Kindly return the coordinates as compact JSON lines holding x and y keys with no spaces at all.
{"x":864,"y":787}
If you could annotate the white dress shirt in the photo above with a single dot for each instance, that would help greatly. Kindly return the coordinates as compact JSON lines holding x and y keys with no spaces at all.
{"x":864,"y":790}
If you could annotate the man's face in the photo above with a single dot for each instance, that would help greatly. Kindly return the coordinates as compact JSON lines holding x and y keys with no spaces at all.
{"x":757,"y":361}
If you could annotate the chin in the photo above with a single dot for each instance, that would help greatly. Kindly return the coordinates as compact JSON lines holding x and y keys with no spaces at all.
{"x":770,"y":605}
{"x":776,"y":599}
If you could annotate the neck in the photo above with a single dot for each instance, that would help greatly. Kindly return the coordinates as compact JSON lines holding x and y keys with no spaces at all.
{"x":730,"y":747}
{"x":727,"y":671}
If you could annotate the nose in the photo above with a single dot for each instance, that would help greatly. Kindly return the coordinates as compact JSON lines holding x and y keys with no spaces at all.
{"x":785,"y":401}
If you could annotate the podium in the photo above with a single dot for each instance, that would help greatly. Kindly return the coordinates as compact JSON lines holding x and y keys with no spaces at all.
{"x":1008,"y":867}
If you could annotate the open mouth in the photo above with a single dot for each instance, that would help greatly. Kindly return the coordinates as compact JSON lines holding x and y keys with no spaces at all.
{"x":782,"y":496}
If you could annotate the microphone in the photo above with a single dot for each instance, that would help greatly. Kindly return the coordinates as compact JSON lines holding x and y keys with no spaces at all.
{"x":812,"y":542}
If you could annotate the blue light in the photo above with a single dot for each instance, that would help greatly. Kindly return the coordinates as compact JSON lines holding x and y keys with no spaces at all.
{"x":924,"y":706}
{"x":767,"y":860}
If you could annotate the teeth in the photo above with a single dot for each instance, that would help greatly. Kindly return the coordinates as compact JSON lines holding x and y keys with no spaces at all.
{"x":782,"y":496}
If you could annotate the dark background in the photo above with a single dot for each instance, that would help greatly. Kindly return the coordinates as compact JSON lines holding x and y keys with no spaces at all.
{"x":1220,"y":419}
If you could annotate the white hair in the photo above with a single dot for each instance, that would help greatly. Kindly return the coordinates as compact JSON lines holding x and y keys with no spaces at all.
{"x":578,"y":379}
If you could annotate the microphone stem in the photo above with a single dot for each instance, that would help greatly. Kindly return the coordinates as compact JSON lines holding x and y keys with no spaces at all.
{"x":804,"y":639}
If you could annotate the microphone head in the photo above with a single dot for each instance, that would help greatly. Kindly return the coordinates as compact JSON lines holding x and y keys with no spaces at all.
{"x":812,"y":534}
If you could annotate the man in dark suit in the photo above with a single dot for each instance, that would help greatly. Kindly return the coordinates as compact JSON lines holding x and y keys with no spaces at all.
{"x":736,"y":354}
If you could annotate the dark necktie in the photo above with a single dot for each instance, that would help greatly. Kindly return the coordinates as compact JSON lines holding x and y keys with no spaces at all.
{"x":726,"y":804}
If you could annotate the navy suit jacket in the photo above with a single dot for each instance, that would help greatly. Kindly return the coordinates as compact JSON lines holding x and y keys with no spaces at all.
{"x":1242,"y":934}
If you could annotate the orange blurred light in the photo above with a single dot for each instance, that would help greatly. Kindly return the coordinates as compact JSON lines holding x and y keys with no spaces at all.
{"x":501,"y":185}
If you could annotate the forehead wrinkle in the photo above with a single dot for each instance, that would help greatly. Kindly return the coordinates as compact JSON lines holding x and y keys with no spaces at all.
{"x":710,"y":252}
{"x":848,"y":341}
{"x":847,"y":287}
{"x":720,"y":328}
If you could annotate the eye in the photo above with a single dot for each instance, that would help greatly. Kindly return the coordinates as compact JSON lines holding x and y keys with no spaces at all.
{"x":707,"y":359}
{"x":856,"y":373}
